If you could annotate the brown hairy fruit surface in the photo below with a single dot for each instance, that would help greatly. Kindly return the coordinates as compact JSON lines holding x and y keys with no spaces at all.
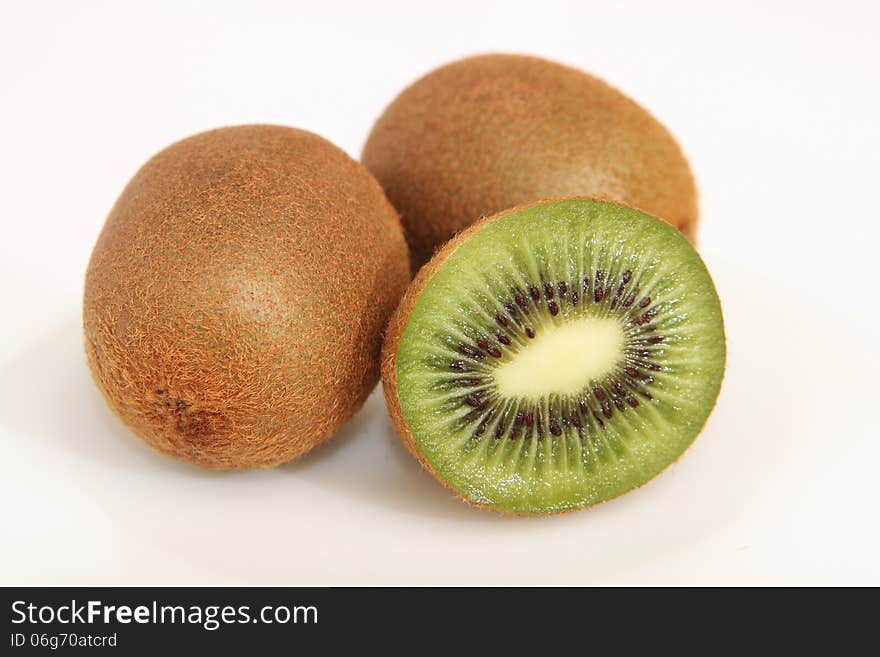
{"x":235,"y":299}
{"x":490,"y":132}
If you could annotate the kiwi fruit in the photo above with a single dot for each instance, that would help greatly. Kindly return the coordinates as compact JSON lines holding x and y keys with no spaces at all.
{"x":235,"y":299}
{"x":487,"y":133}
{"x":555,"y":355}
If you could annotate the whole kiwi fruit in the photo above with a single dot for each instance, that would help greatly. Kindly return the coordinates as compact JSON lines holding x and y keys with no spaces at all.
{"x":554,"y":356}
{"x":486,"y":133}
{"x":235,"y":299}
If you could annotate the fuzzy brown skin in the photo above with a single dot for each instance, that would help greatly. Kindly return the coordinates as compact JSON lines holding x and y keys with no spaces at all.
{"x":391,"y":343}
{"x":488,"y":133}
{"x":235,"y":299}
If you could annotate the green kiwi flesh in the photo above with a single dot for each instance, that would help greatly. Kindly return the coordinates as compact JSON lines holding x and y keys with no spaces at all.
{"x":559,"y":356}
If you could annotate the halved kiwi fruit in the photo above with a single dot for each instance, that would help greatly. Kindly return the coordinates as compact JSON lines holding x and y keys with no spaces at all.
{"x":554,"y":356}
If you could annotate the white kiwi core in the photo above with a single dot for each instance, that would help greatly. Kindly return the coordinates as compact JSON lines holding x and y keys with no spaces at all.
{"x":562,"y":359}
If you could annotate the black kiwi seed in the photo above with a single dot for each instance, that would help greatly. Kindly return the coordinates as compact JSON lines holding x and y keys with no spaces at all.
{"x":646,"y":317}
{"x":493,"y":351}
{"x":469,"y":351}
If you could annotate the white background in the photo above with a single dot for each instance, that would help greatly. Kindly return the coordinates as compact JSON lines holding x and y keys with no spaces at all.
{"x":775,"y":103}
